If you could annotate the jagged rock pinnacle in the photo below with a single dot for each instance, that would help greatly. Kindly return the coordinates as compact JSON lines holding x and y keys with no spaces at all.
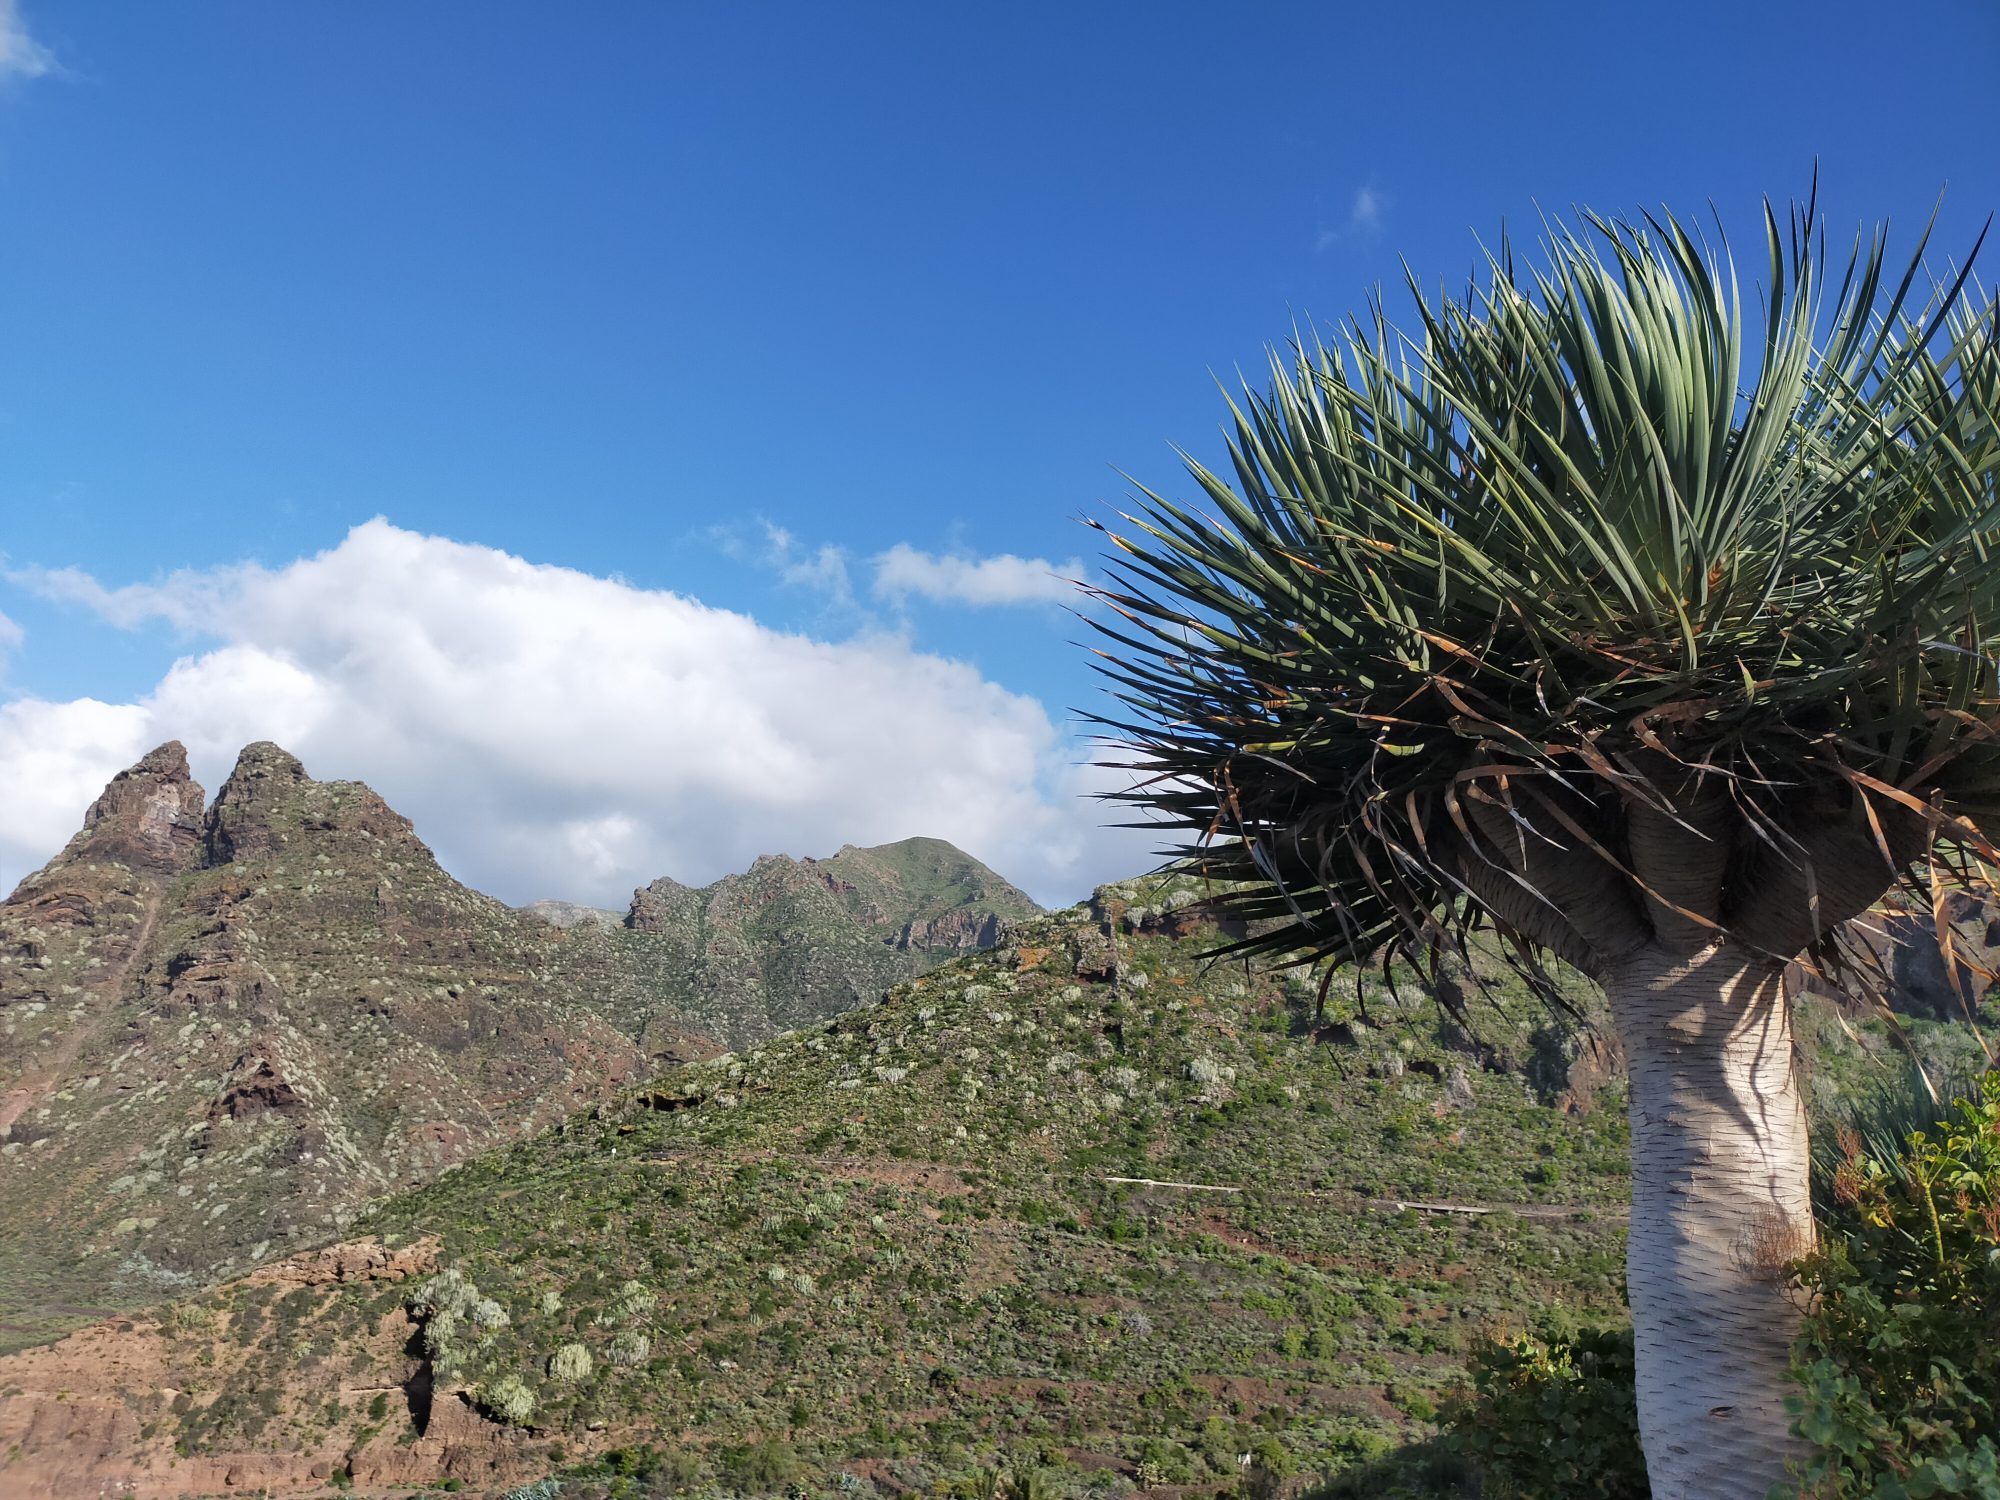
{"x":269,"y":800}
{"x":247,"y":814}
{"x":149,"y":817}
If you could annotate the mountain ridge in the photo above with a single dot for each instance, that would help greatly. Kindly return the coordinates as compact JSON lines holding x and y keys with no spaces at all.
{"x":226,"y":1025}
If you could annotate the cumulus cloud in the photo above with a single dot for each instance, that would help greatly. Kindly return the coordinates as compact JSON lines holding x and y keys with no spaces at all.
{"x":21,"y":56}
{"x":903,"y":571}
{"x":553,"y":733}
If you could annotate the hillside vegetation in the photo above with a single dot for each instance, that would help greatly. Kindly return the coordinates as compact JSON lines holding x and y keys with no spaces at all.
{"x":1090,"y":1201}
{"x":1092,"y":1204}
{"x":225,"y":1028}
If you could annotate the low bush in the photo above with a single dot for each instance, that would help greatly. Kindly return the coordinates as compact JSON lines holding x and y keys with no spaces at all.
{"x":1900,"y":1362}
{"x":509,"y":1400}
{"x":1554,"y":1418}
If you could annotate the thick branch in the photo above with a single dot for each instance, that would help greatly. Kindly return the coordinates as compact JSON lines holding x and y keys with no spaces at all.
{"x":1548,"y":886}
{"x":1830,"y":868}
{"x":1518,"y":909}
{"x":1681,"y":858}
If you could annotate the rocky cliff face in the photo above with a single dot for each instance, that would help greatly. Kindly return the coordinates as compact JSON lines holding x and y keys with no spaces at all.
{"x":148,"y":820}
{"x":72,"y":931}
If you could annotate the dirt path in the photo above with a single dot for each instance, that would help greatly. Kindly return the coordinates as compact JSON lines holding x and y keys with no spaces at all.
{"x":941,"y":1177}
{"x":1399,"y":1205}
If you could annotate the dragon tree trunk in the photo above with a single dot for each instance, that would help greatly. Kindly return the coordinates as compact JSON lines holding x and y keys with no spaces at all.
{"x":1720,"y":1207}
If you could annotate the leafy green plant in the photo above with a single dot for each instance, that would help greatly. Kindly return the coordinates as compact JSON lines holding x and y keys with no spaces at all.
{"x":761,"y":1468}
{"x":1876,"y":1120}
{"x":1554,"y":1418}
{"x":1900,"y":1362}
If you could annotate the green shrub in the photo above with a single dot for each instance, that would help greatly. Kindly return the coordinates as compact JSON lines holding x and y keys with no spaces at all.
{"x":630,"y":1347}
{"x":509,"y":1400}
{"x":1555,"y":1418}
{"x":761,"y":1468}
{"x":1163,"y":1461}
{"x":1900,"y":1361}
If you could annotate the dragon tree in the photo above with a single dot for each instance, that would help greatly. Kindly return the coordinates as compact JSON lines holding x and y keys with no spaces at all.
{"x":1654,"y":633}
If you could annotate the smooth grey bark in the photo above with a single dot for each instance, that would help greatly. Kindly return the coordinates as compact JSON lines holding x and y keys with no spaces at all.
{"x":1689,"y":947}
{"x":1691,"y":967}
{"x":1720,"y":1207}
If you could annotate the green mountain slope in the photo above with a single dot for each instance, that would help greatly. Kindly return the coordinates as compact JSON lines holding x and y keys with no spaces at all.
{"x":223,"y":1031}
{"x":897,"y":1241}
{"x":795,"y":941}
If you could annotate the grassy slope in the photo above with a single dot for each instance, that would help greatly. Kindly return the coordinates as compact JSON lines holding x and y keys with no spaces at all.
{"x":790,"y":942}
{"x":892,"y":1239}
{"x":891,"y":1245}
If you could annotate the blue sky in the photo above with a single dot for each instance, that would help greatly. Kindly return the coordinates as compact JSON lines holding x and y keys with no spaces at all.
{"x":731,"y":302}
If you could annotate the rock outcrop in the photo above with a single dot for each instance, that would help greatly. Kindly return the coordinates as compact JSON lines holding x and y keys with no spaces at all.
{"x":355,"y":1260}
{"x":568,"y":914}
{"x":83,"y":1415}
{"x":1923,"y":981}
{"x":961,"y":930}
{"x":148,"y":819}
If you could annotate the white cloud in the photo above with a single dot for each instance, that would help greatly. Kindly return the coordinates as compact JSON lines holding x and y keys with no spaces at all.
{"x":824,"y":569}
{"x":182,"y":599}
{"x":552,"y":733}
{"x":1364,"y":217}
{"x":1006,"y":579}
{"x":1366,"y":211}
{"x":21,"y":56}
{"x":56,"y":758}
{"x":11,"y":635}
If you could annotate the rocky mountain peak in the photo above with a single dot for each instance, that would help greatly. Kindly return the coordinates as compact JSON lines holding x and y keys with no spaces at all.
{"x":269,"y":800}
{"x":263,"y":759}
{"x":148,"y":818}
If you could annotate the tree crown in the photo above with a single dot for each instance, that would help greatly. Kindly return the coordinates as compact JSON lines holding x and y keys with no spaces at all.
{"x":1596,"y":607}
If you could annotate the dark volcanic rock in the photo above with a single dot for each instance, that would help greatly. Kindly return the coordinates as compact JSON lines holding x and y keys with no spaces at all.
{"x":269,"y":801}
{"x":1924,"y":982}
{"x":958,"y":931}
{"x":148,"y":818}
